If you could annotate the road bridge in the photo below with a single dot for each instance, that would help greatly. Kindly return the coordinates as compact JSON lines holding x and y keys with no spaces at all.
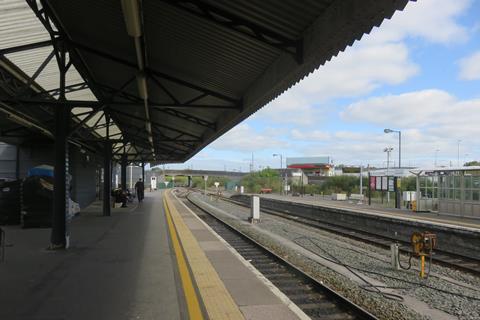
{"x":202,"y":173}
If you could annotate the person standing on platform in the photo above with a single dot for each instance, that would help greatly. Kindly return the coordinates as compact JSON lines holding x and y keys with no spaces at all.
{"x":139,"y":188}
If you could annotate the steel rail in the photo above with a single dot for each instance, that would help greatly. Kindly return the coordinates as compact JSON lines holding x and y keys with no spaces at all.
{"x":457,"y":261}
{"x":316,"y":299}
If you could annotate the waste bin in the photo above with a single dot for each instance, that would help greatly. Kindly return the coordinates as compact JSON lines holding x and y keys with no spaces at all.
{"x":10,"y":202}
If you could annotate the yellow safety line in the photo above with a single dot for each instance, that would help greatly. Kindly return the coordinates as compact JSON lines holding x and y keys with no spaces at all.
{"x":193,"y":305}
{"x":218,"y":302}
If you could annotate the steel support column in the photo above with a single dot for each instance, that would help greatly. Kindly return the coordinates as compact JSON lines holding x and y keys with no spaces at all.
{"x":17,"y":163}
{"x":123,"y":171}
{"x":107,"y":169}
{"x":143,"y":172}
{"x":59,"y":235}
{"x":61,"y":183}
{"x":107,"y":178}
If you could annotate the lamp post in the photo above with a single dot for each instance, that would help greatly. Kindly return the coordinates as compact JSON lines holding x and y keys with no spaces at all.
{"x":399,"y":144}
{"x":281,"y":167}
{"x":388,"y":150}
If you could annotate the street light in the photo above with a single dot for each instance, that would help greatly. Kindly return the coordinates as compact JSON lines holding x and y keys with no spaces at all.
{"x":281,"y":166}
{"x":399,"y":144}
{"x":388,"y":150}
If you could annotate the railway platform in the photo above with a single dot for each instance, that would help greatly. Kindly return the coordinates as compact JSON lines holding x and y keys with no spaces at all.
{"x":434,"y":218}
{"x":153,"y":260}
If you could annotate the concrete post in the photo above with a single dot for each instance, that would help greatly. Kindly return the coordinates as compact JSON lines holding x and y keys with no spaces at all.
{"x":394,"y":256}
{"x":255,"y":209}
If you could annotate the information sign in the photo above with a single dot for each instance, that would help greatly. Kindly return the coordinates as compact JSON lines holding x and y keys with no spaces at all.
{"x":391,"y":184}
{"x":384,"y":183}
{"x":372,"y":183}
{"x":378,"y":183}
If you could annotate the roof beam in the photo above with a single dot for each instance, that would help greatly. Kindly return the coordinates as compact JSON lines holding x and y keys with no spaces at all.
{"x":188,"y":143}
{"x":240,"y":25}
{"x":187,"y":117}
{"x":161,"y":86}
{"x":155,"y":124}
{"x":69,"y":88}
{"x":25,"y":47}
{"x":172,"y":112}
{"x":85,"y":120}
{"x":153,"y":72}
{"x":39,"y":70}
{"x":189,"y":104}
{"x":40,"y":102}
{"x":141,"y":143}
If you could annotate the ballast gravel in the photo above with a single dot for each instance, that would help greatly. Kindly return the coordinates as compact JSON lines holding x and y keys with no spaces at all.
{"x":449,"y":290}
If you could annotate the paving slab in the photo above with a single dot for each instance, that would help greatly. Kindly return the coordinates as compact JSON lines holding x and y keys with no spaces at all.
{"x":118,"y":267}
{"x":250,"y":291}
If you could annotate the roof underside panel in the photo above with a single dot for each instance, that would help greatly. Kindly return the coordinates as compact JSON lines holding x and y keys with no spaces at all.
{"x":208,"y":64}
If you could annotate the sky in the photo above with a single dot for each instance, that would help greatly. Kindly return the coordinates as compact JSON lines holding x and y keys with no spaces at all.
{"x":418,"y":73}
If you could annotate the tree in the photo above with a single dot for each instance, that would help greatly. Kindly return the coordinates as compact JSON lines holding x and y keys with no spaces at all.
{"x":266,"y":178}
{"x":472,"y":163}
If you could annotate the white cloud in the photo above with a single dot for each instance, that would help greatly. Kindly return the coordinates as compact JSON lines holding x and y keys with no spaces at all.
{"x":289,"y":108}
{"x":425,"y":108}
{"x":358,"y":71}
{"x":314,"y":135}
{"x":246,"y":139}
{"x":431,"y":20}
{"x":380,"y":58}
{"x":418,"y":148}
{"x":470,"y":67}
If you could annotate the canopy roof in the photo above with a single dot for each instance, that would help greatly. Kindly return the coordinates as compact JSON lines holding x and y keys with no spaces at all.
{"x":172,"y":75}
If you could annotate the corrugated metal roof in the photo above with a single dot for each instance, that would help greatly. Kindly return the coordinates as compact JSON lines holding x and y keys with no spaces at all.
{"x":224,"y":59}
{"x":19,"y":26}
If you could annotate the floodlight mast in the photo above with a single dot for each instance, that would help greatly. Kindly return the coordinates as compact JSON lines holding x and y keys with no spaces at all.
{"x":388,"y":150}
{"x":399,"y":144}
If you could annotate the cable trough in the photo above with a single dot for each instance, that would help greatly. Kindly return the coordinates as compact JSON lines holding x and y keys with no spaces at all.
{"x":314,"y":298}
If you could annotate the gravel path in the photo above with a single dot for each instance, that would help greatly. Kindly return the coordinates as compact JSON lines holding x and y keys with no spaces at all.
{"x":441,"y":291}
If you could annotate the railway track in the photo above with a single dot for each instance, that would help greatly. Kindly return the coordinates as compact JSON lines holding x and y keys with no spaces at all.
{"x":451,"y":260}
{"x":314,"y":298}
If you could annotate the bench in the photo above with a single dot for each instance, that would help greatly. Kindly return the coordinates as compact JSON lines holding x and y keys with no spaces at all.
{"x":356,"y":196}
